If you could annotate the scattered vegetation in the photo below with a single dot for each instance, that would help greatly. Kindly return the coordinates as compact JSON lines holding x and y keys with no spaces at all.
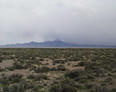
{"x":57,"y":70}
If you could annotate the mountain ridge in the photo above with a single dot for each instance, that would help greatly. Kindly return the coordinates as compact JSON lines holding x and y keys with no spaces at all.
{"x":55,"y":43}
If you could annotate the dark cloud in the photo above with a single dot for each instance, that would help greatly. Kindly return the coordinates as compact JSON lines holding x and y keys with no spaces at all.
{"x":77,"y":21}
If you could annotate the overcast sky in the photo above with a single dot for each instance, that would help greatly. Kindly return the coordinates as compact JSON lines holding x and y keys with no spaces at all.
{"x":76,"y":21}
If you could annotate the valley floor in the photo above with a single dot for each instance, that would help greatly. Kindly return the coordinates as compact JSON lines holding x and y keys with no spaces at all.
{"x":57,"y":70}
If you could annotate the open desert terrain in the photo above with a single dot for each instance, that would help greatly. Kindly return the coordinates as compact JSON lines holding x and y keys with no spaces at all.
{"x":57,"y":70}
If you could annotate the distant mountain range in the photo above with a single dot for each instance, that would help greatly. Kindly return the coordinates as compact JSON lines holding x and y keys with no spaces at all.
{"x":54,"y":44}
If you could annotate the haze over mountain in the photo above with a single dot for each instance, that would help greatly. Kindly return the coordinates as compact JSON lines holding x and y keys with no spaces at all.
{"x":74,"y":21}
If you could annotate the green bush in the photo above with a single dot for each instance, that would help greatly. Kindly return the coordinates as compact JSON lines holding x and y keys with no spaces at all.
{"x":42,"y":69}
{"x":61,"y":68}
{"x":38,"y":77}
{"x":65,"y":85}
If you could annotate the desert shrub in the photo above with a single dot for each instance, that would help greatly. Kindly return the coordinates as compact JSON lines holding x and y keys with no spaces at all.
{"x":15,"y":88}
{"x":22,"y":86}
{"x":65,"y":85}
{"x":89,"y":86}
{"x":73,"y":59}
{"x":1,"y":59}
{"x":53,"y":69}
{"x":74,"y":74}
{"x":2,"y":69}
{"x":14,"y":78}
{"x":39,"y":88}
{"x":42,"y":69}
{"x":90,"y":77}
{"x":61,"y":68}
{"x":5,"y":89}
{"x":3,"y":81}
{"x":81,"y":63}
{"x":17,"y":65}
{"x":101,"y":89}
{"x":59,"y":61}
{"x":38,"y":77}
{"x":41,"y":59}
{"x":113,"y":90}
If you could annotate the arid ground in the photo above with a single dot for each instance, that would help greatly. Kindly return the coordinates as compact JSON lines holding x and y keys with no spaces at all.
{"x":57,"y":70}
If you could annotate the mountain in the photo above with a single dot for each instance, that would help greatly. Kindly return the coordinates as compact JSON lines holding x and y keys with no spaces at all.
{"x":55,"y":43}
{"x":50,"y":44}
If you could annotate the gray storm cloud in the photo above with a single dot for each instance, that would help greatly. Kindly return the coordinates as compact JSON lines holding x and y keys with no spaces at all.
{"x":76,"y":21}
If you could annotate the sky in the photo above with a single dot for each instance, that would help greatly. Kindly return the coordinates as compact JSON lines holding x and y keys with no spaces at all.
{"x":75,"y":21}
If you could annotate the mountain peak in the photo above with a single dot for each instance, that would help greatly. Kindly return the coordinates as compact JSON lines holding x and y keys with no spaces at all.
{"x":59,"y":40}
{"x":32,"y":42}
